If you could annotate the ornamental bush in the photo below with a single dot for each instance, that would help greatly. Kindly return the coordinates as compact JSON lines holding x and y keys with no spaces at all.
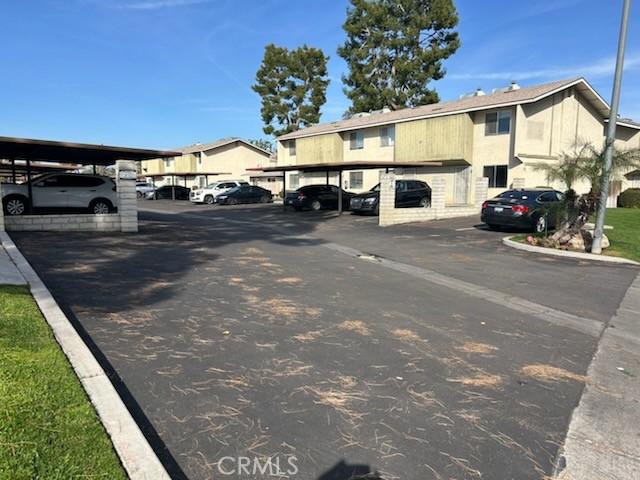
{"x":630,"y":198}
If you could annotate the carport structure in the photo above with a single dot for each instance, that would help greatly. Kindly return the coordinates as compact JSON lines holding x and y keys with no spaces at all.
{"x":35,"y":153}
{"x":15,"y":169}
{"x":340,"y":167}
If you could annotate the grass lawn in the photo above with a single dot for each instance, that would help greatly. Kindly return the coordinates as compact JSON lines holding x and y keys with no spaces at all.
{"x":48,"y":427}
{"x":625,"y":236}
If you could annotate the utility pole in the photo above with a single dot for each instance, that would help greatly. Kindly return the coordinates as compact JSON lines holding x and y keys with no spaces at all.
{"x":596,"y":247}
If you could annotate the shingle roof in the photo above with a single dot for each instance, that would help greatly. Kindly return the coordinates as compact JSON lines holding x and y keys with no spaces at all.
{"x":471,"y":103}
{"x":204,"y":147}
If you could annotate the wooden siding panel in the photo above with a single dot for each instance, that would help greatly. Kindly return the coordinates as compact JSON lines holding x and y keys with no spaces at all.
{"x":441,"y":138}
{"x":185,"y":163}
{"x":319,"y":149}
{"x":153,"y":167}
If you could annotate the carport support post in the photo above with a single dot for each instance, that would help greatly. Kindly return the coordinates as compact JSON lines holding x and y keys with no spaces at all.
{"x":284,"y":190}
{"x":126,"y":174}
{"x":339,"y":191}
{"x":13,"y":170}
{"x":29,"y":187}
{"x":1,"y":212}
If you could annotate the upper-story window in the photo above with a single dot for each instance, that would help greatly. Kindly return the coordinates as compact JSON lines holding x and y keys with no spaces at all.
{"x":496,"y":123}
{"x":292,"y":148}
{"x":168,"y":162}
{"x":387,"y":136}
{"x":356,"y":140}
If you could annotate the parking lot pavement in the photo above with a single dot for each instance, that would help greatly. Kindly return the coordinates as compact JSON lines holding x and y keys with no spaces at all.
{"x":228,"y":337}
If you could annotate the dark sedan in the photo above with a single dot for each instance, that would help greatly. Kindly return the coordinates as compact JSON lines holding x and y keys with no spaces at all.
{"x":167,"y":193}
{"x":245,"y":194}
{"x":409,"y":193}
{"x":317,"y":197}
{"x":534,"y":209}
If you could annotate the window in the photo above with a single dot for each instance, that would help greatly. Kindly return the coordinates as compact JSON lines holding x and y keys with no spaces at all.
{"x":497,"y":123}
{"x":168,"y":162}
{"x":356,"y":140}
{"x":355,"y":180}
{"x":497,"y":175}
{"x":548,"y":197}
{"x":79,"y":181}
{"x":294,"y":180}
{"x":387,"y":136}
{"x":292,"y":148}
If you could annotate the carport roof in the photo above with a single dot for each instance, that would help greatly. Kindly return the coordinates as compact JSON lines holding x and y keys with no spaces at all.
{"x":38,"y":167}
{"x":341,"y":166}
{"x":183,"y":174}
{"x":82,"y":153}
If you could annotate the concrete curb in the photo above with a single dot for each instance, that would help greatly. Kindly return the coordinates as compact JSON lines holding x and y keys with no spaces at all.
{"x":565,"y":253}
{"x":602,"y":440}
{"x":137,"y":456}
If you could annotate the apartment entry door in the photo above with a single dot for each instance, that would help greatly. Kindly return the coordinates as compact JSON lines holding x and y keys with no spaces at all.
{"x":462,"y":176}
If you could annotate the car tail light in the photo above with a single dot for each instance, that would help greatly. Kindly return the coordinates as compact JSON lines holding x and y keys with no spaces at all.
{"x":485,"y":205}
{"x":519,"y":209}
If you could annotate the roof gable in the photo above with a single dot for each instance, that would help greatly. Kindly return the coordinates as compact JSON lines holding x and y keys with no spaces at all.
{"x":463,"y":105}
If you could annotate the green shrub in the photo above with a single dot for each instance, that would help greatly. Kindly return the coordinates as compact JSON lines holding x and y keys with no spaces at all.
{"x":630,"y":198}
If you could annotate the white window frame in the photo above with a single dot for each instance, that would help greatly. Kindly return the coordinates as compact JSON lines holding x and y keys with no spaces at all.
{"x":294,"y":181}
{"x":493,"y":179}
{"x":388,"y":136}
{"x":356,"y":140}
{"x":500,"y":114}
{"x":356,"y":185}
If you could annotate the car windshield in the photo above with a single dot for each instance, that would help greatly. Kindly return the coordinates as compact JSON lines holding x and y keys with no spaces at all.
{"x":376,"y":188}
{"x":233,"y":190}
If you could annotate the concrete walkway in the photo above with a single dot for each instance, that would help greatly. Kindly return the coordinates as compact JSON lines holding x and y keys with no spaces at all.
{"x":9,"y":274}
{"x":603,"y":440}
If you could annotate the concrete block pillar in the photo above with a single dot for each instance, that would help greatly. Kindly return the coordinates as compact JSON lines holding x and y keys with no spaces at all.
{"x":387,"y":192}
{"x":481,"y":191}
{"x":1,"y":212}
{"x":438,"y":193}
{"x":126,"y":174}
{"x":517,"y":183}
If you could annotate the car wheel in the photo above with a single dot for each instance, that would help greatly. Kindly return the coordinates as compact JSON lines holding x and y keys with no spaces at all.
{"x":541,"y":224}
{"x":15,"y":206}
{"x":232,"y":201}
{"x":209,"y":200}
{"x":100,"y":207}
{"x":264,"y":199}
{"x":425,"y":202}
{"x":315,"y":205}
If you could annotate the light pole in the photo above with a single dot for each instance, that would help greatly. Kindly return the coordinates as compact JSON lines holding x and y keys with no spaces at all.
{"x":596,"y":247}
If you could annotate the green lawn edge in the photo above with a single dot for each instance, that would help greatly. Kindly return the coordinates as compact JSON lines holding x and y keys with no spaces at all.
{"x":48,"y":426}
{"x":624,"y":238}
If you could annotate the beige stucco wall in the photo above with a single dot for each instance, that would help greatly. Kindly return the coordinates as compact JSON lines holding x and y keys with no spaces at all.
{"x":233,"y":159}
{"x":372,"y":151}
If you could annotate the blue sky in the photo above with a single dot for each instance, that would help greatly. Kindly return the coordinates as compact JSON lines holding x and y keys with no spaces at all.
{"x":167,"y":73}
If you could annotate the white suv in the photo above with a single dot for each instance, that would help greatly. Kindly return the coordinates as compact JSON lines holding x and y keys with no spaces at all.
{"x":61,"y":191}
{"x":209,"y":193}
{"x":142,"y":188}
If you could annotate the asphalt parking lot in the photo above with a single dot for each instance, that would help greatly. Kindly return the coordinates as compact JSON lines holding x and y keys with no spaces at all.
{"x":415,"y":352}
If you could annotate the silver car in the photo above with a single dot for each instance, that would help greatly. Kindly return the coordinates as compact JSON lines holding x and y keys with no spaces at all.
{"x":60,"y":191}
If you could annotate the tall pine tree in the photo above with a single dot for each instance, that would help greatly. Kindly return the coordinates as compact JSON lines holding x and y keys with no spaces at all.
{"x":394,"y":48}
{"x":293,"y":86}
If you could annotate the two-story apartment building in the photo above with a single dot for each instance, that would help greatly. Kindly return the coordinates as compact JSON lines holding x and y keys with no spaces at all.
{"x":229,"y":158}
{"x":501,"y":135}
